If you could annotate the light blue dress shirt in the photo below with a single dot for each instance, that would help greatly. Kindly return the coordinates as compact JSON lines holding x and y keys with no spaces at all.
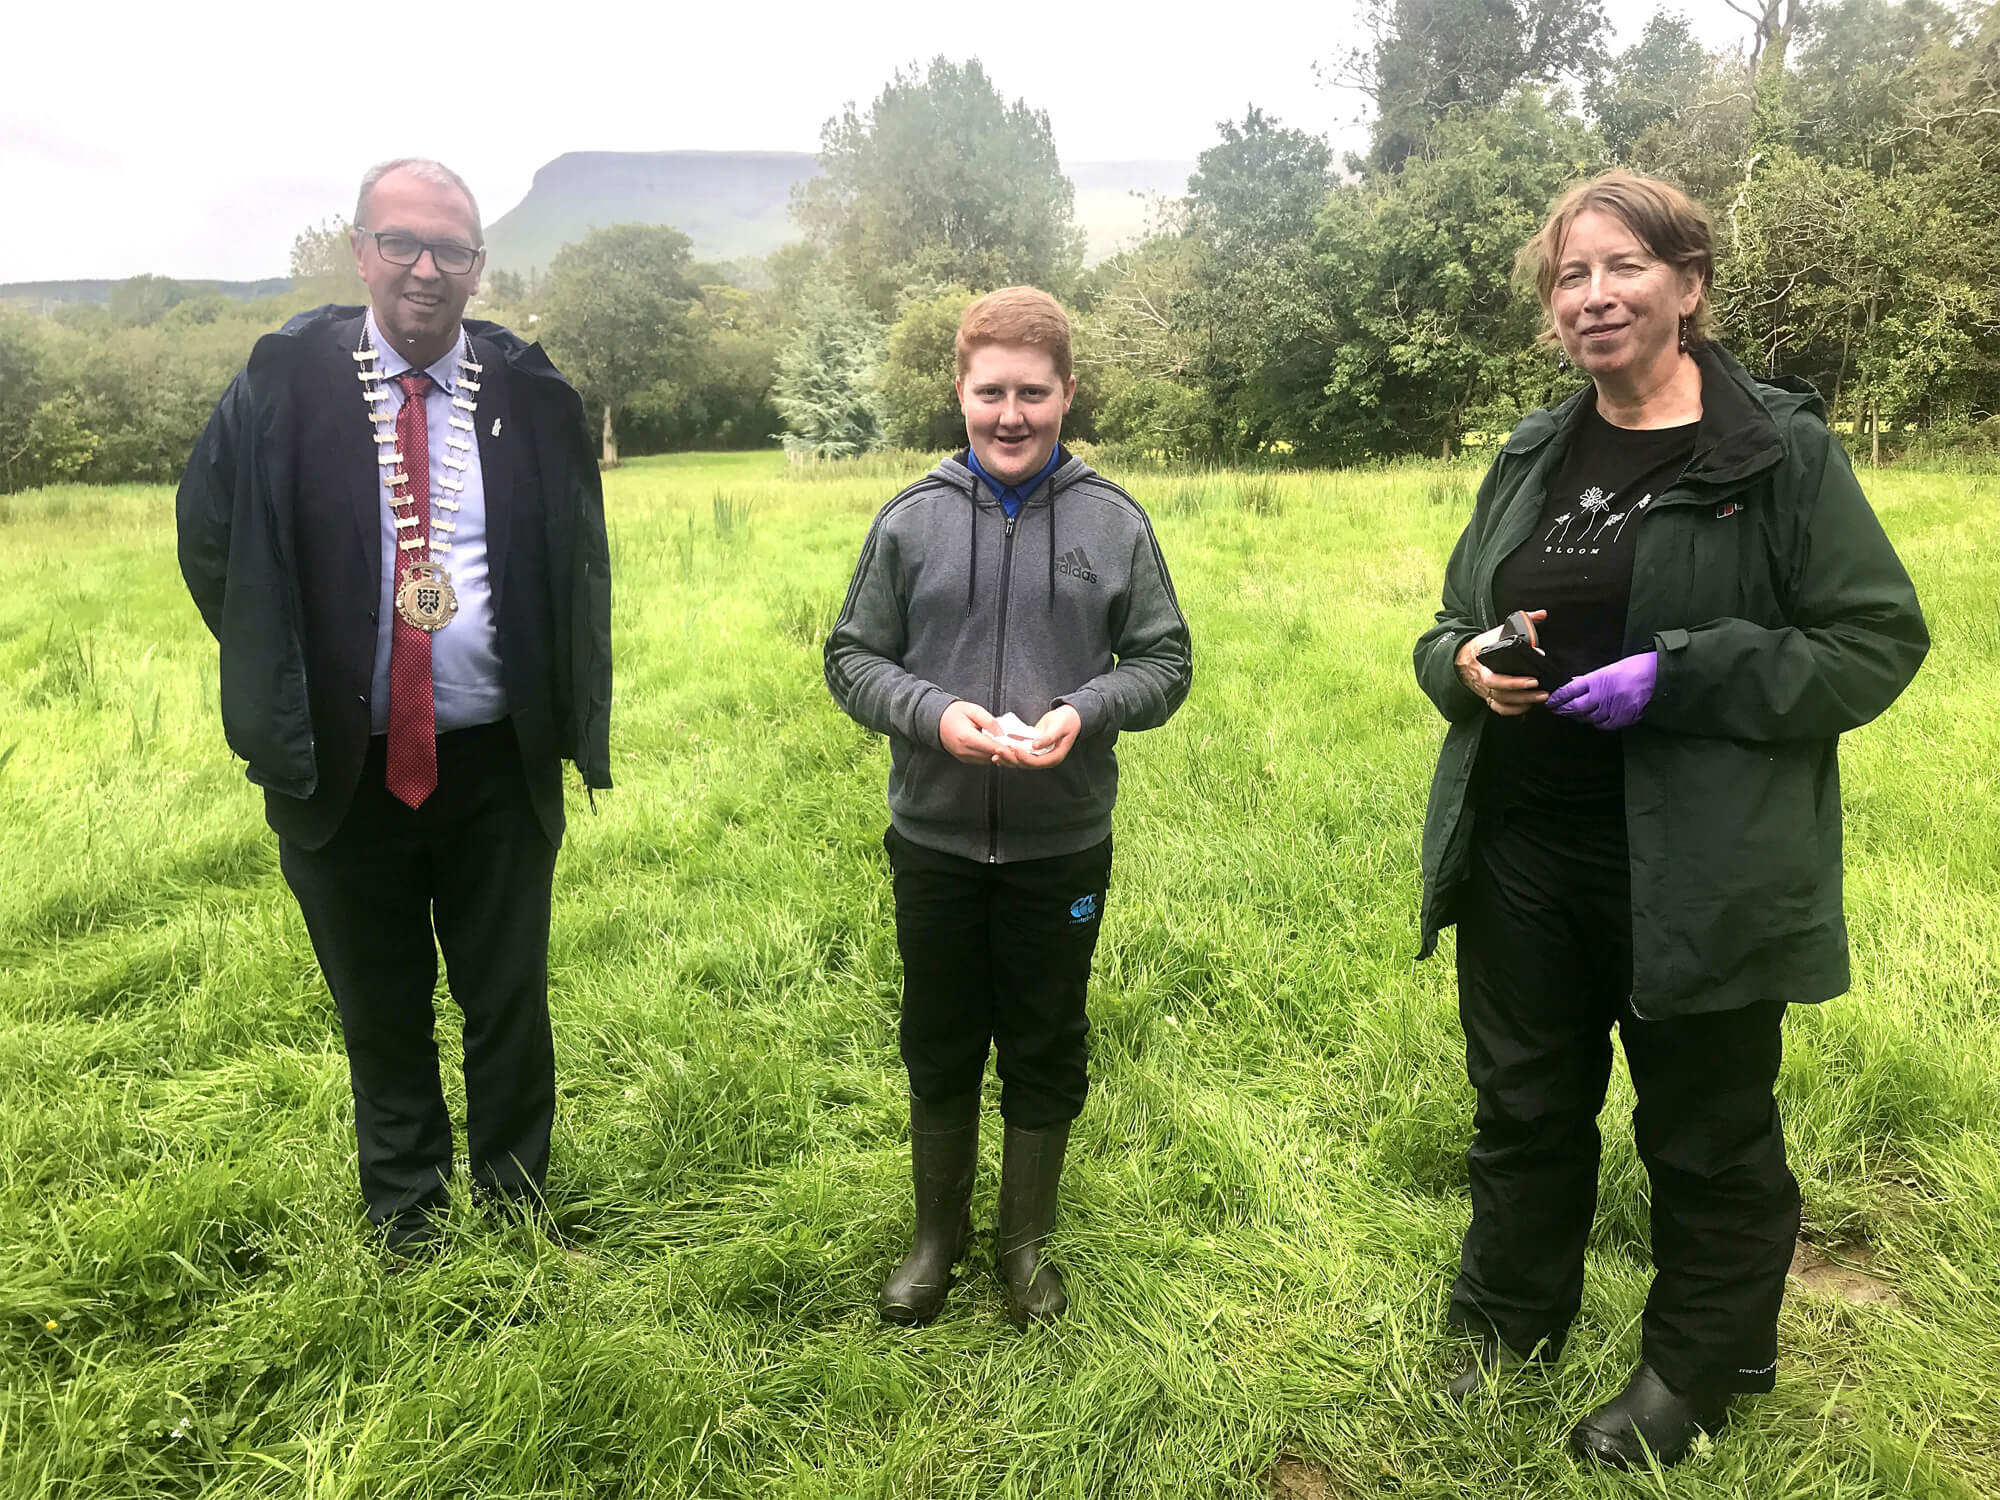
{"x":465,"y":659}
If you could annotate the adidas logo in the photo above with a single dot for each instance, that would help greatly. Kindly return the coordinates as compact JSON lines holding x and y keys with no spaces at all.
{"x":1075,"y":565}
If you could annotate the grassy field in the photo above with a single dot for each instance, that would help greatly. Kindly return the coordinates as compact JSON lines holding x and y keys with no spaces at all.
{"x":1267,"y":1187}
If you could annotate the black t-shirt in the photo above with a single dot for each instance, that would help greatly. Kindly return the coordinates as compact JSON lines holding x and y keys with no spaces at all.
{"x":1577,"y":565}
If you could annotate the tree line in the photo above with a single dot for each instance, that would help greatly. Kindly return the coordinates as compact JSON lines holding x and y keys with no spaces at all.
{"x":1294,"y":305}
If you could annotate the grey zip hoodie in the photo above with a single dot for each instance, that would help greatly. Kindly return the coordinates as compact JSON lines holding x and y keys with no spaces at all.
{"x":1069,"y":602}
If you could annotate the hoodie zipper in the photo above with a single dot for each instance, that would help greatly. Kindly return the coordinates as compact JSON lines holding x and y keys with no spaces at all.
{"x":999,"y":665}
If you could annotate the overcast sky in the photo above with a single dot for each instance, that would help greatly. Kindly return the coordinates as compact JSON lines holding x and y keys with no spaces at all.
{"x":197,"y":139}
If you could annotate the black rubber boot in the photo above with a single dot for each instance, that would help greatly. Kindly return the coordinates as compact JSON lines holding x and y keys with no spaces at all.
{"x":1649,"y":1420}
{"x":1490,"y":1362}
{"x":944,"y":1150}
{"x":1031,"y":1164}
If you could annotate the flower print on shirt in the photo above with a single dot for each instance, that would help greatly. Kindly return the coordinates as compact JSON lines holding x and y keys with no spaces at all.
{"x":1624,"y":516}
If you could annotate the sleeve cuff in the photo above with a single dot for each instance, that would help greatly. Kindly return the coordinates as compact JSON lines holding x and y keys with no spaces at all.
{"x":1090,"y":710}
{"x":930,"y":716}
{"x":1464,"y":696}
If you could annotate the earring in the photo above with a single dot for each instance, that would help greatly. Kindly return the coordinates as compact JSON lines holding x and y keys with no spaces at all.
{"x":1562,"y":363}
{"x":1684,"y":335}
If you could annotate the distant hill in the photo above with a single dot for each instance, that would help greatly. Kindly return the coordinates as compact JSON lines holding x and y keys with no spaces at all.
{"x":734,"y":204}
{"x":46,"y":294}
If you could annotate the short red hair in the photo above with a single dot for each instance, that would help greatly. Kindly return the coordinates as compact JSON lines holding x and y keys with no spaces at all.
{"x":1016,"y":315}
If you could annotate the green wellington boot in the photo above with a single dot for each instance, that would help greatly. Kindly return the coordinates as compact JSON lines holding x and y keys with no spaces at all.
{"x":1031,"y":1164}
{"x":944,"y":1149}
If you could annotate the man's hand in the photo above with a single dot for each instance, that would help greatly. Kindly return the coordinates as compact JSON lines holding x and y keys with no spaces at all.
{"x":1054,"y":735}
{"x":1510,"y":696}
{"x":966,"y":731}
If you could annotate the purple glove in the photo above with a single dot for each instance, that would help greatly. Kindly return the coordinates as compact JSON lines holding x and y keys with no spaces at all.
{"x":1612,"y":697}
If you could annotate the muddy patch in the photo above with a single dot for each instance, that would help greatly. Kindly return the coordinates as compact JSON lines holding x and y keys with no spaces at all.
{"x":1849,"y":1278}
{"x":1295,"y":1479}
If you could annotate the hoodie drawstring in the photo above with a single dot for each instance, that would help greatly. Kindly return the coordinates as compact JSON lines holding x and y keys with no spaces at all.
{"x":972,"y":573}
{"x":1052,"y":546}
{"x":972,"y":570}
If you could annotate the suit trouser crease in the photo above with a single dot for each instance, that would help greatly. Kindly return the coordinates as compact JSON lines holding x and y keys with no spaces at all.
{"x":1544,"y":969}
{"x":468,"y":874}
{"x":998,"y":956}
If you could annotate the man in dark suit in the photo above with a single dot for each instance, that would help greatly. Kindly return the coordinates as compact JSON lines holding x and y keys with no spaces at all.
{"x":394,"y":528}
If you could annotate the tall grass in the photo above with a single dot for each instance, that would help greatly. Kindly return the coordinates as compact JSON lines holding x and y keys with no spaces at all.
{"x":1268,"y":1183}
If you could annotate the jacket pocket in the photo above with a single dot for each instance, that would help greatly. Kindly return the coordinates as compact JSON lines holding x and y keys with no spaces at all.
{"x":1742,"y":864}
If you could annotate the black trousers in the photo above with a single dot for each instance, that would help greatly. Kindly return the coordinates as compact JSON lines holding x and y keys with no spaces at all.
{"x":998,"y":956}
{"x":1544,"y":972}
{"x":470,"y":873}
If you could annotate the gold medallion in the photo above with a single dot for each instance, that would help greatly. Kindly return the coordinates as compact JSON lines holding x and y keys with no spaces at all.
{"x":426,"y":599}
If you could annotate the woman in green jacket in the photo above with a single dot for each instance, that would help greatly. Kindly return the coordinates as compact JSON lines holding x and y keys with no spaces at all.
{"x":1646,"y":831}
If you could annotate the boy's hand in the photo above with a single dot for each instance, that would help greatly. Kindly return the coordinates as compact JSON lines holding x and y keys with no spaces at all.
{"x":964,"y":731}
{"x":1054,"y":735}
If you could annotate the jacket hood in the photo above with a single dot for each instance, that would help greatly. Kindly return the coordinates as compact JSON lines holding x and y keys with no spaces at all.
{"x":1743,"y":421}
{"x":956,"y":472}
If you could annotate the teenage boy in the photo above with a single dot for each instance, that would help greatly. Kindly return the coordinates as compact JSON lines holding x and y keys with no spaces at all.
{"x":1010,"y":586}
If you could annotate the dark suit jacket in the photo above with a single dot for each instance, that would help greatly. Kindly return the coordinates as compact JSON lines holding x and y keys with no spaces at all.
{"x":280,"y":543}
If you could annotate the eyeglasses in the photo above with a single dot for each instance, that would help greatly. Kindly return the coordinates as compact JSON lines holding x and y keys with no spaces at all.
{"x":400,"y":249}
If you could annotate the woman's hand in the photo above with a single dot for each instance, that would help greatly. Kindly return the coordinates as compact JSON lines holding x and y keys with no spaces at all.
{"x":1510,"y":696}
{"x":1612,"y":697}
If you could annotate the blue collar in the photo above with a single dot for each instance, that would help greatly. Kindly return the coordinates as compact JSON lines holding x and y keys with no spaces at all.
{"x":1013,"y":496}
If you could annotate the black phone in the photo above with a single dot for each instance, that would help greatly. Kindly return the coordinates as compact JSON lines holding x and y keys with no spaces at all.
{"x":1518,"y":654}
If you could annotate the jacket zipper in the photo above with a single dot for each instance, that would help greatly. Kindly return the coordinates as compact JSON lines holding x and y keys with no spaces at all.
{"x":999,"y":665}
{"x":1666,"y":498}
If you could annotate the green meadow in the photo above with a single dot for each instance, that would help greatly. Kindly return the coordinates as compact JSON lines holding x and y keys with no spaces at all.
{"x":1267,"y":1187}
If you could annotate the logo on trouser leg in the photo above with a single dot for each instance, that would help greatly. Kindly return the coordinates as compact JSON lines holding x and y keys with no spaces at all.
{"x":1083,"y":908}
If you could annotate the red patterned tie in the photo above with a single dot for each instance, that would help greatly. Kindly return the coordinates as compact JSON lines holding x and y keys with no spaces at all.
{"x":413,"y":765}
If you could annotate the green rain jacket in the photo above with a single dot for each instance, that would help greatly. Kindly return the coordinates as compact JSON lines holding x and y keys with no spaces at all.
{"x":1782,"y":617}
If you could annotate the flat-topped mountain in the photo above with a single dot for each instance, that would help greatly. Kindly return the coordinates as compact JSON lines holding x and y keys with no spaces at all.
{"x":734,"y":204}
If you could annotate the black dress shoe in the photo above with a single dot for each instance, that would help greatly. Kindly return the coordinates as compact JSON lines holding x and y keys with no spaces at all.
{"x":1490,"y":1361}
{"x":1649,"y":1421}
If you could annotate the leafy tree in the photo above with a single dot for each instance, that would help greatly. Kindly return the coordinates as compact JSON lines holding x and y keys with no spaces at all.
{"x":615,"y":315}
{"x":1432,"y":58}
{"x":919,"y":371}
{"x":42,"y":434}
{"x":1136,"y":346}
{"x":1430,"y":335}
{"x":1256,"y":305}
{"x":720,"y":396}
{"x":1651,"y":83}
{"x":1669,"y":108}
{"x":826,"y":390}
{"x":941,"y":183}
{"x":1878,"y":289}
{"x":323,"y":266}
{"x":142,"y":301}
{"x":509,"y":287}
{"x":1261,"y":184}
